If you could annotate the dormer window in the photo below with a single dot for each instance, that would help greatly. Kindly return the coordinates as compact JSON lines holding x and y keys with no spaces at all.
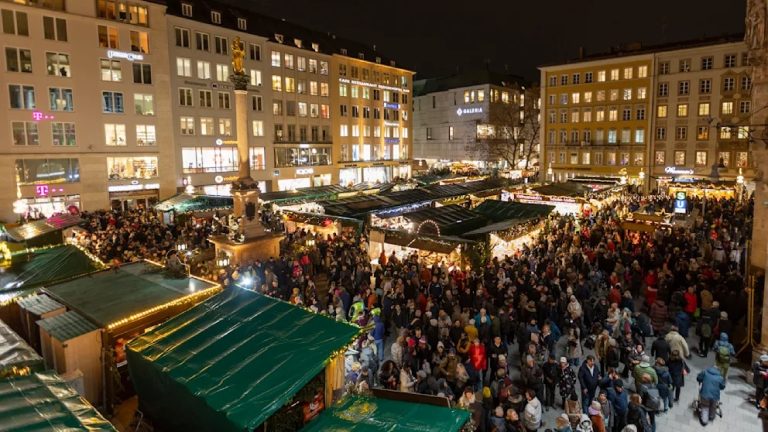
{"x":297,"y":42}
{"x":242,"y":24}
{"x":378,"y":60}
{"x":360,"y":55}
{"x":392,"y":63}
{"x":316,"y":47}
{"x":279,"y":38}
{"x":343,"y":51}
{"x":186,"y":9}
{"x":216,"y":17}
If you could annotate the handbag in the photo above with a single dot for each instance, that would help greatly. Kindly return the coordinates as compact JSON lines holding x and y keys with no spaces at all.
{"x":686,"y":369}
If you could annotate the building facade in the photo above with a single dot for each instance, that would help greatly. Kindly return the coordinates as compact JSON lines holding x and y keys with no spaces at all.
{"x":473,"y":118}
{"x":85,"y":94}
{"x":702,"y":109}
{"x":651,"y":115}
{"x":596,"y":117}
{"x":372,"y":121}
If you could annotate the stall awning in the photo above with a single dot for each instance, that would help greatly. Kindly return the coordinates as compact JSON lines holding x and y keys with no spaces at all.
{"x":567,"y":189}
{"x":230,"y":362}
{"x":46,"y":266}
{"x":303,"y":194}
{"x":34,"y":229}
{"x":442,"y":245}
{"x":66,"y":326}
{"x":361,"y":414}
{"x":186,"y":203}
{"x":451,"y":219}
{"x":44,"y":402}
{"x":16,"y":355}
{"x":498,"y":211}
{"x":111,"y":296}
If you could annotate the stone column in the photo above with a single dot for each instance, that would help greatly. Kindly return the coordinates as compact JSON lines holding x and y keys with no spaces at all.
{"x":241,"y":129}
{"x":755,"y":37}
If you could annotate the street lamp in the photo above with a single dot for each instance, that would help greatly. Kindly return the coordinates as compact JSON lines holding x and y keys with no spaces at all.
{"x":551,"y":173}
{"x":223,"y":260}
{"x":740,"y":184}
{"x":181,"y":246}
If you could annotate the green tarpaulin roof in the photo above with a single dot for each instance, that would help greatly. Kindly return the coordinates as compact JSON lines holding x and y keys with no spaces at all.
{"x":15,"y":352}
{"x":110,"y":296}
{"x":39,"y":304}
{"x":186,"y":203}
{"x":230,"y":362}
{"x":37,"y":228}
{"x":359,"y":414}
{"x":46,"y":266}
{"x":499,"y":211}
{"x":44,"y":402}
{"x":66,"y":326}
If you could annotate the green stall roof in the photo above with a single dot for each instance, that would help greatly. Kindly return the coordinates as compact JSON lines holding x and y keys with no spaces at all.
{"x":230,"y":362}
{"x":499,"y":211}
{"x":45,"y":266}
{"x":15,"y":352}
{"x":362,"y":414}
{"x":66,"y":326}
{"x":38,"y":228}
{"x":110,"y":296}
{"x":186,"y":203}
{"x":44,"y":402}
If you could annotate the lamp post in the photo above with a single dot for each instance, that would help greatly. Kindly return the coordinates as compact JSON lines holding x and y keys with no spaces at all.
{"x":740,"y":184}
{"x":550,"y":173}
{"x":641,"y":176}
{"x":222,"y":261}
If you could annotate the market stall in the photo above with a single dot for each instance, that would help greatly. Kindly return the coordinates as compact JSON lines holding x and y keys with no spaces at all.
{"x":363,"y":414}
{"x":111,"y":307}
{"x":567,"y":198}
{"x":43,"y":232}
{"x":645,"y":222}
{"x":17,"y":358}
{"x":320,"y":224}
{"x":264,"y":359}
{"x":186,"y":205}
{"x":514,"y":224}
{"x":403,"y":244}
{"x":290,"y":198}
{"x":45,"y":402}
{"x":705,"y":189}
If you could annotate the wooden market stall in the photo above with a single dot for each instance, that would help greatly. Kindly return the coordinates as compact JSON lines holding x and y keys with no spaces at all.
{"x":263,"y":358}
{"x":179,"y":207}
{"x":104,"y":311}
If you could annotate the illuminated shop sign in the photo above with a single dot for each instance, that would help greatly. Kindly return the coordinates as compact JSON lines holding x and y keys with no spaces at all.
{"x":378,"y":86}
{"x":678,"y":171}
{"x":125,"y":55}
{"x":521,"y":197}
{"x":473,"y":110}
{"x":391,"y":105}
{"x":392,"y":140}
{"x":304,"y":171}
{"x":42,"y":190}
{"x":130,"y":188}
{"x":39,"y":116}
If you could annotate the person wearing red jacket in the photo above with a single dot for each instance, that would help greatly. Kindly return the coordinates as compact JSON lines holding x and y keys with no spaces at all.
{"x":691,"y":301}
{"x":477,"y":357}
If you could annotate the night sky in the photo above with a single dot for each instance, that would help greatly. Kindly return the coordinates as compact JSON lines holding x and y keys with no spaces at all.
{"x":435,"y":38}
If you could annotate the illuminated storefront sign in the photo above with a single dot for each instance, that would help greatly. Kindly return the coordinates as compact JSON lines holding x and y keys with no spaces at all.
{"x":42,"y":190}
{"x":39,"y":116}
{"x":473,"y":110}
{"x":392,"y":140}
{"x":125,"y":55}
{"x":391,"y":105}
{"x":678,"y":171}
{"x":130,"y":188}
{"x":304,"y":171}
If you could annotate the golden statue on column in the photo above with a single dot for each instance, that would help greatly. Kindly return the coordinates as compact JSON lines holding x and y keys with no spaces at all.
{"x":238,"y":53}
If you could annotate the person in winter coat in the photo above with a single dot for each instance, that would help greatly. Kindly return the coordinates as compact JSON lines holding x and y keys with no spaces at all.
{"x":533,"y":376}
{"x":690,"y":302}
{"x":683,"y":322}
{"x":566,"y":380}
{"x":407,"y":380}
{"x":562,"y":424}
{"x":709,"y":395}
{"x":677,"y":371}
{"x":659,"y":315}
{"x":664,"y":385}
{"x":532,"y":412}
{"x":606,"y":409}
{"x":574,"y":309}
{"x":595,"y":412}
{"x":551,"y":372}
{"x":643,"y":368}
{"x":478,"y":358}
{"x":660,"y":347}
{"x":637,"y":414}
{"x":620,"y":402}
{"x":589,"y":378}
{"x":723,"y":353}
{"x":498,"y":424}
{"x":677,"y":342}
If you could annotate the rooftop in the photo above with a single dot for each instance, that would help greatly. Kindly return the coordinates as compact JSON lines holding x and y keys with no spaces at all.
{"x":110,"y":296}
{"x":269,"y":27}
{"x":637,"y":48}
{"x":466,"y":79}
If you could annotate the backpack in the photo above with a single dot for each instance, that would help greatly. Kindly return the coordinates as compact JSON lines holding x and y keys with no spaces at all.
{"x":652,"y":399}
{"x":706,"y":329}
{"x":723,"y":354}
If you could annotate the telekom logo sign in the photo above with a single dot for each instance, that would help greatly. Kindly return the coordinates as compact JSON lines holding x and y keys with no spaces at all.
{"x":39,"y":116}
{"x":42,"y":190}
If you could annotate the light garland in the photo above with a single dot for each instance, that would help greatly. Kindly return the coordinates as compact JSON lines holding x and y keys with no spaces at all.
{"x":192,"y":298}
{"x":430,"y":221}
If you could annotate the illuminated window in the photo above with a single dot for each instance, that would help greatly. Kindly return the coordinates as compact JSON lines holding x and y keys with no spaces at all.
{"x":25,"y":133}
{"x":701,"y":158}
{"x":601,"y":76}
{"x":614,"y":74}
{"x":613,"y":114}
{"x":57,"y":64}
{"x":641,"y":93}
{"x":682,"y":110}
{"x":586,"y":115}
{"x":61,"y":99}
{"x":110,"y":70}
{"x":187,"y":125}
{"x":222,"y":72}
{"x":725,"y":158}
{"x":660,"y":157}
{"x":702,"y":133}
{"x":575,"y":98}
{"x":225,"y":127}
{"x":642,"y":71}
{"x":183,"y":67}
{"x":626,"y":136}
{"x":288,"y":64}
{"x":134,"y":167}
{"x":588,"y":97}
{"x":627,"y":94}
{"x":639,"y":136}
{"x":139,"y":41}
{"x":726,"y":108}
{"x":742,"y":159}
{"x":276,"y":58}
{"x":114,"y":134}
{"x":108,"y":37}
{"x":704,"y":109}
{"x":145,"y":135}
{"x":207,"y":126}
{"x":661,"y":111}
{"x":277,"y":83}
{"x":144,"y":104}
{"x":614,"y":94}
{"x":628,"y":73}
{"x":679,"y":157}
{"x":63,"y":134}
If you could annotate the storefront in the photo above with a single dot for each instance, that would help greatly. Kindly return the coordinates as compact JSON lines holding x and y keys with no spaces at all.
{"x":375,"y":174}
{"x":47,"y":204}
{"x":134,"y":196}
{"x":350,"y":176}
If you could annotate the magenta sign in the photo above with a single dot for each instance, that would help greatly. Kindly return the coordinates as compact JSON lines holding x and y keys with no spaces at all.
{"x":38,"y":116}
{"x":42,"y":190}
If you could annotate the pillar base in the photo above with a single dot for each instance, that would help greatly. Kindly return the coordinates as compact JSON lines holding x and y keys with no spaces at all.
{"x":260,"y":248}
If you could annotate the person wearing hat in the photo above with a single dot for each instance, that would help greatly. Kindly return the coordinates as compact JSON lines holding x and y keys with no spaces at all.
{"x":566,"y":380}
{"x":498,"y":423}
{"x":760,"y":378}
{"x":595,"y":412}
{"x":606,"y":409}
{"x":562,"y":423}
{"x":642,"y":368}
{"x":724,"y":324}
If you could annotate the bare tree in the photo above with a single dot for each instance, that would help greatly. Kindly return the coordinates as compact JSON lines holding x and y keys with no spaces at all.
{"x":512,"y":134}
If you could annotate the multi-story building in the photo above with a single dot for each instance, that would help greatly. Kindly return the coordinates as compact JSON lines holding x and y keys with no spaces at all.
{"x":85,"y":90}
{"x":702,"y":109}
{"x":596,"y":117}
{"x":477,"y":118}
{"x":372,"y":124}
{"x":298,"y":81}
{"x":651,"y":114}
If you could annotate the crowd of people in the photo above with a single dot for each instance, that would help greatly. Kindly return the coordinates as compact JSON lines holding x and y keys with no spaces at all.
{"x":589,"y":320}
